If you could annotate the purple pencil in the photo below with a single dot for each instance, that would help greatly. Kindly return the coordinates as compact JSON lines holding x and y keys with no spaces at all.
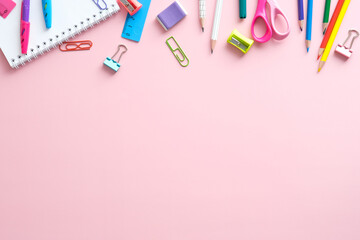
{"x":301,"y":14}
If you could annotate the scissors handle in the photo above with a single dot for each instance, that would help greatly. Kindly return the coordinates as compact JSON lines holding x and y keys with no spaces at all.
{"x":261,"y":14}
{"x":271,"y":30}
{"x":275,"y":10}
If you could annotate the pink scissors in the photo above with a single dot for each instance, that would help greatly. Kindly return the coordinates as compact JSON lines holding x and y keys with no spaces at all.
{"x":271,"y":30}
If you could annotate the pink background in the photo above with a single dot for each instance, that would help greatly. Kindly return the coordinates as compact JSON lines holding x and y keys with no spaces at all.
{"x":232,"y":147}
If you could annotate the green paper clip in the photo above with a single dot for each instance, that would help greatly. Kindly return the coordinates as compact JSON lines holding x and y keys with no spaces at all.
{"x":240,"y":41}
{"x":178,"y":48}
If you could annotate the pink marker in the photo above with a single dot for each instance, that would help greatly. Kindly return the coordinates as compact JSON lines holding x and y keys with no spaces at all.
{"x":25,"y":26}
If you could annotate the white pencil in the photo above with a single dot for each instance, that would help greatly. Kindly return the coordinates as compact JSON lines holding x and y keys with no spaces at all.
{"x":216,"y":25}
{"x":202,"y":11}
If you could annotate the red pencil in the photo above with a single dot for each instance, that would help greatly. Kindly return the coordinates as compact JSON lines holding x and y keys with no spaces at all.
{"x":330,"y":27}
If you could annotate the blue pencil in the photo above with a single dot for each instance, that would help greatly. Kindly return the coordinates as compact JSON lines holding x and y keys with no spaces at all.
{"x":309,"y":24}
{"x":301,"y":13}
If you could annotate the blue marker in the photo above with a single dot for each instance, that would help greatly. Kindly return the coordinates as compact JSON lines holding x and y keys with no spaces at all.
{"x":46,"y":5}
{"x":309,"y":24}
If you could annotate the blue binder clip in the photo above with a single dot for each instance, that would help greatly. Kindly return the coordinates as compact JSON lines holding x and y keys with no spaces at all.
{"x":111,"y":63}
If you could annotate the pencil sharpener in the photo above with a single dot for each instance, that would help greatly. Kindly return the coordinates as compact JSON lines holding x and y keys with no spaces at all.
{"x":114,"y":65}
{"x":131,"y":6}
{"x":240,"y":41}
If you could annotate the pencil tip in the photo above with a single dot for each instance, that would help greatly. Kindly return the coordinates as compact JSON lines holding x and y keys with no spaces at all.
{"x":324,"y":31}
{"x":202,"y":29}
{"x":212,"y":51}
{"x":319,"y":70}
{"x":307,"y":49}
{"x":301,"y":29}
{"x":318,"y":57}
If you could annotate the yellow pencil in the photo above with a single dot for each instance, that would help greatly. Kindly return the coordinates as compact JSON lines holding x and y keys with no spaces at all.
{"x":333,"y":34}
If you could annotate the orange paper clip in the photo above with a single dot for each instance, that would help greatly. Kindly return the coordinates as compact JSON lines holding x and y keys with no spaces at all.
{"x":76,"y":46}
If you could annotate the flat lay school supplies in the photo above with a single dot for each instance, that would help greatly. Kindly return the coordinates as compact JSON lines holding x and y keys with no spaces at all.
{"x":301,"y":13}
{"x":183,"y":60}
{"x":111,"y":63}
{"x":240,"y":41}
{"x":171,"y":15}
{"x":242,"y":9}
{"x":216,"y":24}
{"x":102,"y":5}
{"x":80,"y":16}
{"x":329,"y":45}
{"x":330,"y":27}
{"x":342,"y":49}
{"x":47,"y":10}
{"x":202,"y":13}
{"x":131,"y":6}
{"x":25,"y":26}
{"x":134,"y":25}
{"x":271,"y":30}
{"x":6,"y":6}
{"x":75,"y":46}
{"x":309,"y":17}
{"x":326,"y":15}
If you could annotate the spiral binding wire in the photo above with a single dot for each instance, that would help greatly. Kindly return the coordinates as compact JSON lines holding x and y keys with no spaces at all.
{"x":55,"y":41}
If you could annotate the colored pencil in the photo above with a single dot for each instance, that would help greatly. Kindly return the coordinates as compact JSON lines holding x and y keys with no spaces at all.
{"x":326,"y":15}
{"x":309,"y":24}
{"x":216,"y":24}
{"x":242,"y":9}
{"x":301,"y":14}
{"x":202,"y":13}
{"x":333,"y":34}
{"x":330,"y":27}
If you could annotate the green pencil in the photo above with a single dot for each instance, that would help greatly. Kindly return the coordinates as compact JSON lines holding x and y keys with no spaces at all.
{"x":326,"y":15}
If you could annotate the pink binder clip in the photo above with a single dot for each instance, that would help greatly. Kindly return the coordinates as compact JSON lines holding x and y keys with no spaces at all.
{"x":347,"y":51}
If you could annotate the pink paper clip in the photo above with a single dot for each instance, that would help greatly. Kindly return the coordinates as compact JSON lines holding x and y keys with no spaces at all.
{"x":6,"y":6}
{"x":76,"y":46}
{"x":347,"y":51}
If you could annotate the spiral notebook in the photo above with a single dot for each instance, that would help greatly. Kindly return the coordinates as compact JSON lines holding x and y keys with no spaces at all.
{"x":70,"y":17}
